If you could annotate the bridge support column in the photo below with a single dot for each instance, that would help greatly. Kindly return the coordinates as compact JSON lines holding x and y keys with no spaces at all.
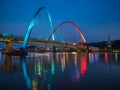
{"x":8,"y":47}
{"x":81,"y":49}
{"x":78,"y":49}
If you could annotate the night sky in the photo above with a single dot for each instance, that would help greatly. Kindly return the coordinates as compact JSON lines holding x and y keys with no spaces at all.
{"x":95,"y":18}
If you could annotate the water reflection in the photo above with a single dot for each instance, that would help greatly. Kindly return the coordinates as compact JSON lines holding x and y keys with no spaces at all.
{"x":83,"y":68}
{"x":7,"y":64}
{"x":0,"y":56}
{"x":25,"y":72}
{"x":44,"y":69}
{"x":116,"y":56}
{"x":63,"y":63}
{"x":47,"y":71}
{"x":39,"y":72}
{"x":80,"y":67}
{"x":106,"y":57}
{"x":93,"y":57}
{"x":75,"y":59}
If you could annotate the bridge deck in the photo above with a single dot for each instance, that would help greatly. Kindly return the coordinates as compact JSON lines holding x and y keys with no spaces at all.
{"x":50,"y":43}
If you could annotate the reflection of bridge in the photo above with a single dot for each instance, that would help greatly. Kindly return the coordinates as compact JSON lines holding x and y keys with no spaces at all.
{"x":10,"y":40}
{"x":43,"y":67}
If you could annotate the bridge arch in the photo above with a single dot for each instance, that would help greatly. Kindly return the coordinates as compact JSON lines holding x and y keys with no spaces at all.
{"x":74,"y":25}
{"x":32,"y":23}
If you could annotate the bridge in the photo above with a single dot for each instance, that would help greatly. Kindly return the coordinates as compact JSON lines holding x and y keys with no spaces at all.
{"x":13,"y":39}
{"x":10,"y":39}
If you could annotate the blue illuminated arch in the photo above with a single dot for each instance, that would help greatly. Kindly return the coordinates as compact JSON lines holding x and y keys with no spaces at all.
{"x":32,"y":23}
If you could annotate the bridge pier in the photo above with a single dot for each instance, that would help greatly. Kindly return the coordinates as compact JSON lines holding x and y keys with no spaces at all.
{"x":10,"y":51}
{"x":81,"y":49}
{"x":8,"y":47}
{"x":78,"y":50}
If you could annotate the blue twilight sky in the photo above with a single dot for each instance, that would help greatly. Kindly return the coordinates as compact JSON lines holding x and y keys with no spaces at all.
{"x":95,"y":18}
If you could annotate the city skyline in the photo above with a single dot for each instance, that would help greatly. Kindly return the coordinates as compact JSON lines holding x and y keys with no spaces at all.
{"x":96,"y":19}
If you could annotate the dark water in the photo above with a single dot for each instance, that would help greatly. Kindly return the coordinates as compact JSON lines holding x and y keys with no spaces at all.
{"x":60,"y":71}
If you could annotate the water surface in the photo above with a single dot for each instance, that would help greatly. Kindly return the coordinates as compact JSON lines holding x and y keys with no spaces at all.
{"x":60,"y":71}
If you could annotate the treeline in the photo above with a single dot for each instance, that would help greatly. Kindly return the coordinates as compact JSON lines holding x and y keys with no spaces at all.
{"x":104,"y":44}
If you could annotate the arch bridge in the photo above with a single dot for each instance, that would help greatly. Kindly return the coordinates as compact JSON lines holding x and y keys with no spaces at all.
{"x":10,"y":39}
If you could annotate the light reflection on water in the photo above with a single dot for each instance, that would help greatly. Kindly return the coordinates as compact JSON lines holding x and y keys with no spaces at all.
{"x":60,"y":71}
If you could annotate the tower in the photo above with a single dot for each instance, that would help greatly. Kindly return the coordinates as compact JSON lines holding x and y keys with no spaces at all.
{"x":109,"y":42}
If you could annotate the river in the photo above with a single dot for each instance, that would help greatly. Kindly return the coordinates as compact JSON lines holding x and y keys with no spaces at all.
{"x":60,"y":71}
